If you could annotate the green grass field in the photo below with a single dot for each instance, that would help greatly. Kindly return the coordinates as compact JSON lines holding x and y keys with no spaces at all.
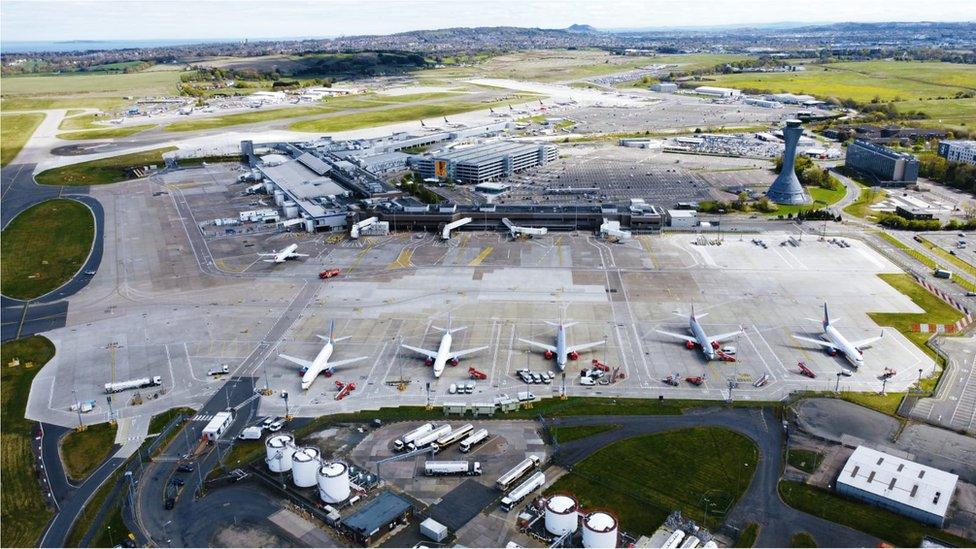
{"x":107,"y":133}
{"x":862,"y":206}
{"x":821,"y":198}
{"x":83,"y":86}
{"x":83,"y":451}
{"x":369,"y":119}
{"x":334,"y":105}
{"x":15,"y":130}
{"x":802,"y":539}
{"x":864,"y":80}
{"x":568,"y":434}
{"x":59,"y":234}
{"x":805,"y":460}
{"x":892,"y":528}
{"x":748,"y":536}
{"x":103,"y":171}
{"x":656,"y":474}
{"x":24,"y":512}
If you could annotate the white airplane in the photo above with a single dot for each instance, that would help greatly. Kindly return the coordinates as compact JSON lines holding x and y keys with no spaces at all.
{"x":284,"y":255}
{"x":515,"y":231}
{"x":710,"y":345}
{"x":320,"y":364}
{"x":561,"y":351}
{"x":439,"y":358}
{"x":834,"y":342}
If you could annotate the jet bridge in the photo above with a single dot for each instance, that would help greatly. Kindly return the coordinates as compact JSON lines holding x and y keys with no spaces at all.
{"x":446,"y":233}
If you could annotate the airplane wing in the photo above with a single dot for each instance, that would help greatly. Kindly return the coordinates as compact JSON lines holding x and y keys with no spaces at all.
{"x":300,"y":361}
{"x":459,"y":354}
{"x":583,"y":346}
{"x":542,"y":346}
{"x":679,"y":336}
{"x":270,"y":261}
{"x":720,"y":337}
{"x":266,"y":255}
{"x":865,"y":343}
{"x":334,"y":364}
{"x":820,"y":342}
{"x":297,"y":255}
{"x":425,"y":352}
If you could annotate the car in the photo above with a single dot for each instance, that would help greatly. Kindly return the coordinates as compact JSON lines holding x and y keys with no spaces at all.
{"x":268,"y":421}
{"x":536,"y":377}
{"x":452,"y":389}
{"x":546,"y":377}
{"x":276,"y":426}
{"x":177,"y":482}
{"x":525,"y":375}
{"x":469,"y":387}
{"x":846,"y":373}
{"x":728,"y":349}
{"x":170,"y":502}
{"x":90,"y":273}
{"x":185,"y":468}
{"x":586,"y":380}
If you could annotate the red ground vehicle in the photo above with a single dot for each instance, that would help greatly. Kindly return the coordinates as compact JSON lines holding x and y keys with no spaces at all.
{"x":329,"y":273}
{"x":344,"y":389}
{"x":597,"y":365}
{"x":474,"y":373}
{"x":806,"y":371}
{"x":696,"y":381}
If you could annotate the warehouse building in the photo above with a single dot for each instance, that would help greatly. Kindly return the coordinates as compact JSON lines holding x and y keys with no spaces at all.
{"x":884,"y":166}
{"x":958,"y":151}
{"x":905,"y":487}
{"x":717,"y":92}
{"x":764,"y":103}
{"x":302,"y":189}
{"x":664,"y":87}
{"x":378,"y":517}
{"x":484,"y":162}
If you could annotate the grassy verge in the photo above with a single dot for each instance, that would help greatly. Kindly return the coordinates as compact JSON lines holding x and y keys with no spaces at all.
{"x":748,"y":536}
{"x":867,"y":198}
{"x":919,"y":256}
{"x":102,"y":171}
{"x":576,"y":432}
{"x":821,"y":199}
{"x":390,"y":116}
{"x":655,"y":474}
{"x":106,"y":133}
{"x":333,"y":105}
{"x":24,"y":512}
{"x":802,"y":539}
{"x":896,"y":529}
{"x":15,"y":130}
{"x":886,"y":404}
{"x":805,"y":460}
{"x":936,"y":312}
{"x":83,"y":451}
{"x":22,"y":103}
{"x":59,"y":235}
{"x":959,"y":262}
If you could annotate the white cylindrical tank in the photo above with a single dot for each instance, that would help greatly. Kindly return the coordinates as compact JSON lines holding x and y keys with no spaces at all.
{"x":304,"y":464}
{"x":600,"y":530}
{"x":279,"y":197}
{"x":269,"y":187}
{"x":291,"y":210}
{"x":334,"y":482}
{"x":561,"y":514}
{"x":279,"y":451}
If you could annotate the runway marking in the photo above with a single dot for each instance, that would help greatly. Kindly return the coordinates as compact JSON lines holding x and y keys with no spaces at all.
{"x":645,"y":242}
{"x":481,"y":257}
{"x":402,"y":260}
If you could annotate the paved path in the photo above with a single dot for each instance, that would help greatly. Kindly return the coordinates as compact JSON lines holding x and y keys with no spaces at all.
{"x":761,"y":502}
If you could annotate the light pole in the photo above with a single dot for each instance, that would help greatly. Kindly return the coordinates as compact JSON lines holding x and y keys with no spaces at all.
{"x":110,"y":413}
{"x":837,"y":385}
{"x":920,"y":380}
{"x":77,"y":409}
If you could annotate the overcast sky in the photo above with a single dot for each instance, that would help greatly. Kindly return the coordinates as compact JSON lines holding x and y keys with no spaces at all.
{"x":206,"y":19}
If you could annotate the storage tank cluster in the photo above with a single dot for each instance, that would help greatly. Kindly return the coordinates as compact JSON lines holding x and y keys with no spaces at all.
{"x":599,"y":530}
{"x":307,"y":468}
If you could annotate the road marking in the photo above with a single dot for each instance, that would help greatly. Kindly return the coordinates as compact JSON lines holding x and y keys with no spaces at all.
{"x":402,"y":260}
{"x":481,"y":257}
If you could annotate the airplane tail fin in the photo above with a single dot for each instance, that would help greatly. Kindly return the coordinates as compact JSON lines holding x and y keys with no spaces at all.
{"x":826,"y":318}
{"x":332,"y":330}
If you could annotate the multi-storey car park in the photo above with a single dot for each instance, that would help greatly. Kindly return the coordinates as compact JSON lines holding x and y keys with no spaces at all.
{"x":484,"y":162}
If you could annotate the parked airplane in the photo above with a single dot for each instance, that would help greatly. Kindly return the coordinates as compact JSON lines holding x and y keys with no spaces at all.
{"x":561,"y":351}
{"x":515,"y":231}
{"x":320,"y":364}
{"x":439,"y":358}
{"x":834,"y":342}
{"x":710,"y":345}
{"x":284,"y":255}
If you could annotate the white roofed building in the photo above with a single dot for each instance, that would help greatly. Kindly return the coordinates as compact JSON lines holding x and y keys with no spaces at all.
{"x":905,"y":487}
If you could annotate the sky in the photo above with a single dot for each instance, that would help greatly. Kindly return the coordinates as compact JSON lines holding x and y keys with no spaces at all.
{"x":37,"y":20}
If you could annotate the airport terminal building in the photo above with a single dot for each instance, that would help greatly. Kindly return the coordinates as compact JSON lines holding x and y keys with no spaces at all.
{"x":884,"y":166}
{"x":484,"y":162}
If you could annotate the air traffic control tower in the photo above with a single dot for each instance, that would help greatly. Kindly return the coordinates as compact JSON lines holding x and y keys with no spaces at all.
{"x":787,"y":189}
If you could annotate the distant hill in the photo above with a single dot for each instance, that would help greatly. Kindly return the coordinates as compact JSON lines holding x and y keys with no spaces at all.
{"x":585,"y":29}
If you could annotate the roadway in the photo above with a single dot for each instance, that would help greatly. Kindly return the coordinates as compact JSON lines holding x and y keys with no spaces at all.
{"x":20,"y":318}
{"x":760,"y":503}
{"x":189,"y":519}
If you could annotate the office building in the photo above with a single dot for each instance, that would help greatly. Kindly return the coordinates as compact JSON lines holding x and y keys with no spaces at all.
{"x":958,"y":151}
{"x":898,"y":485}
{"x":484,"y":162}
{"x":882,"y":165}
{"x":378,"y":517}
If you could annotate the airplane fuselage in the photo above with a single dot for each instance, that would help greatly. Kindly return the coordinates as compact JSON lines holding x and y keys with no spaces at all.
{"x":443,"y":354}
{"x":561,"y":354}
{"x":840,"y":343}
{"x":319,"y":364}
{"x":702,"y":338}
